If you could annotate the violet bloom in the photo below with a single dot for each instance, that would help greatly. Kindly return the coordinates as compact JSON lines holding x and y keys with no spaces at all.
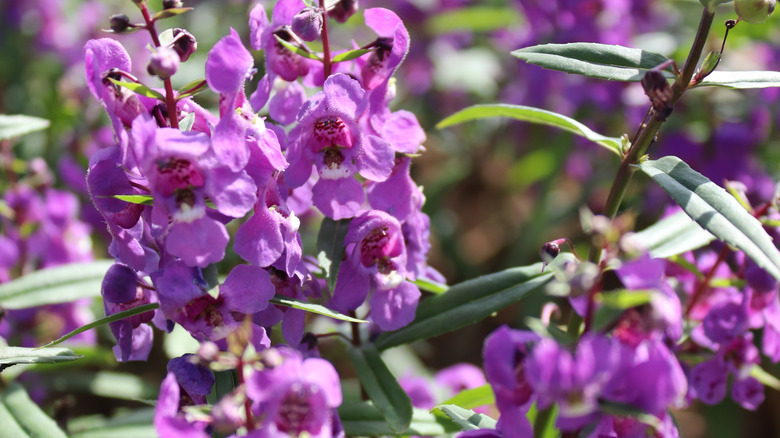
{"x":298,"y":396}
{"x":293,"y":320}
{"x":392,"y":46}
{"x":183,"y":298}
{"x":376,"y":261}
{"x":169,"y":419}
{"x":419,"y":391}
{"x":505,"y":354}
{"x":121,"y":291}
{"x":573,"y":381}
{"x":328,"y":135}
{"x":279,"y":59}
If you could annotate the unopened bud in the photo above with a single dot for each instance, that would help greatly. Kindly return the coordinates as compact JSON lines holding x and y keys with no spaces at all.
{"x":171,"y":4}
{"x":754,"y":11}
{"x":163,"y":63}
{"x":307,"y":24}
{"x":342,"y":10}
{"x":660,"y":93}
{"x":208,"y":351}
{"x":550,"y":250}
{"x":184,"y":44}
{"x":119,"y":23}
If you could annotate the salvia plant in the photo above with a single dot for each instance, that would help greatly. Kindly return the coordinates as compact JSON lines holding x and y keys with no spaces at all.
{"x":261,"y":225}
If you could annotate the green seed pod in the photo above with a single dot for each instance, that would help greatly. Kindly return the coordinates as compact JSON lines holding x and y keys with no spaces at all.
{"x":754,"y":11}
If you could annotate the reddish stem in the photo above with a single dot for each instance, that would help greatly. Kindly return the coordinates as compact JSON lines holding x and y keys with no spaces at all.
{"x":250,"y":423}
{"x":591,"y":305}
{"x":170,"y":99}
{"x":704,"y":284}
{"x":327,"y":65}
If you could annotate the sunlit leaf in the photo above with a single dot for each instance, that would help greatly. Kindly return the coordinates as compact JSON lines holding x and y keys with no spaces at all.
{"x":715,"y":210}
{"x":532,"y":115}
{"x":297,"y":50}
{"x":136,"y":199}
{"x":672,"y":235}
{"x":313,"y":308}
{"x":364,"y":419}
{"x":27,"y":414}
{"x":594,"y":60}
{"x":105,"y":320}
{"x":466,"y":418}
{"x":170,"y":12}
{"x":330,"y":243}
{"x":23,"y":355}
{"x":742,"y":79}
{"x":348,"y":56}
{"x":141,"y":89}
{"x":473,"y":19}
{"x":62,"y":284}
{"x":17,"y":125}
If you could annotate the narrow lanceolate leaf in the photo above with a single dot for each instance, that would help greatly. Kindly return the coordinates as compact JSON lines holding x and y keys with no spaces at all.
{"x":108,"y":384}
{"x":191,"y":89}
{"x":136,"y":199}
{"x":764,"y":377}
{"x":673,"y":235}
{"x":468,"y":302}
{"x":22,"y":355}
{"x":473,"y":19}
{"x":105,"y":320}
{"x":27,"y":414}
{"x":330,"y":246}
{"x":170,"y":12}
{"x":382,"y":387}
{"x":742,"y":79}
{"x":532,"y":115}
{"x":603,"y":61}
{"x":62,"y":284}
{"x":715,"y":210}
{"x":430,"y":286}
{"x":614,"y":303}
{"x":18,"y":125}
{"x":297,"y":50}
{"x":466,"y":418}
{"x":282,"y":300}
{"x":473,"y":398}
{"x":141,"y":89}
{"x":11,"y":428}
{"x":364,"y":419}
{"x":348,"y":56}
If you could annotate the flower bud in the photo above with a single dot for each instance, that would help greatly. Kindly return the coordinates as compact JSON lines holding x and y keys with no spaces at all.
{"x":163,"y":63}
{"x":658,"y":90}
{"x":119,"y":23}
{"x":342,"y":10}
{"x":172,"y":4}
{"x":307,"y":24}
{"x":550,"y":250}
{"x":184,"y":44}
{"x":754,"y":11}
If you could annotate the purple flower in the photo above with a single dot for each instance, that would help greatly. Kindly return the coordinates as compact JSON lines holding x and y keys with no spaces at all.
{"x":419,"y":391}
{"x":574,"y":381}
{"x":169,"y":420}
{"x":196,"y":380}
{"x":376,"y":261}
{"x":328,"y":135}
{"x":307,"y":24}
{"x":748,"y":393}
{"x":296,"y":396}
{"x":460,"y":376}
{"x":709,"y":380}
{"x":392,"y":46}
{"x":279,"y":59}
{"x":121,"y":291}
{"x":505,"y":354}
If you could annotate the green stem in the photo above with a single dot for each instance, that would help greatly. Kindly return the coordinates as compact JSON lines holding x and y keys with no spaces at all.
{"x":648,"y":133}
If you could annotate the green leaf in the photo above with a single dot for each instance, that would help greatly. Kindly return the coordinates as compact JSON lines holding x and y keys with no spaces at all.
{"x":18,"y":125}
{"x":382,"y":387}
{"x":134,"y":424}
{"x":764,"y":377}
{"x":105,"y":320}
{"x":297,"y":50}
{"x":549,"y":331}
{"x":120,"y":431}
{"x":673,"y":235}
{"x":614,"y":303}
{"x":141,"y":89}
{"x":742,"y":79}
{"x":430,"y":286}
{"x":594,"y":60}
{"x":136,"y":199}
{"x":61,"y":284}
{"x":191,"y":89}
{"x":11,"y":429}
{"x":472,"y":398}
{"x":22,"y":355}
{"x":468,"y":302}
{"x":330,"y":244}
{"x":108,"y":384}
{"x":224,"y":383}
{"x":622,"y":410}
{"x":27,"y":414}
{"x":473,"y":19}
{"x":364,"y":419}
{"x":532,"y":115}
{"x":282,"y":300}
{"x":715,"y":210}
{"x":708,"y":65}
{"x":348,"y":56}
{"x":171,"y":12}
{"x":466,"y":418}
